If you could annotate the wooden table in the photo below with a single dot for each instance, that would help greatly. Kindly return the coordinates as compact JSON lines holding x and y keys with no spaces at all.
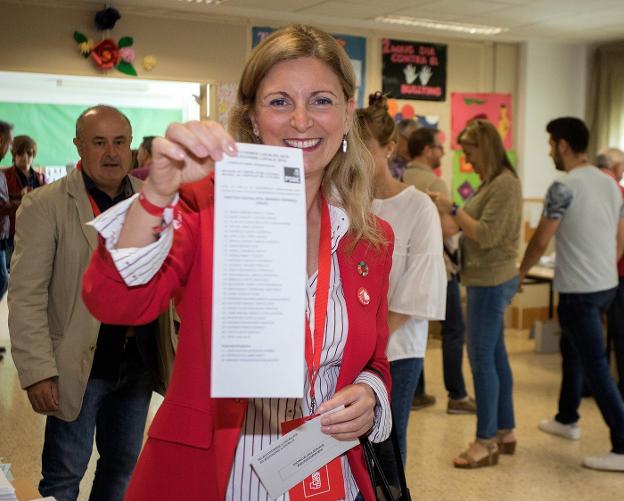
{"x":543,"y":275}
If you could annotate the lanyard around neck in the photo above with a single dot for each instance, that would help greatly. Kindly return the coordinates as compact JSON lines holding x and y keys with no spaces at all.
{"x":313,"y":351}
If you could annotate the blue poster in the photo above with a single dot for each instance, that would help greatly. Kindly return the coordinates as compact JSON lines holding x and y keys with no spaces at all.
{"x":355,"y":48}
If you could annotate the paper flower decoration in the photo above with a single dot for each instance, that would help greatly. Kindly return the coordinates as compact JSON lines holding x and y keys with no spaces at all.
{"x":127,"y":54}
{"x":86,"y":48}
{"x":105,"y":19}
{"x":149,"y":62}
{"x":107,"y":54}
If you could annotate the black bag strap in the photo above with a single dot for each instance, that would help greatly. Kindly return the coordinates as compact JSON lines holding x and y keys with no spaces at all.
{"x":405,"y":493}
{"x":377,"y":476}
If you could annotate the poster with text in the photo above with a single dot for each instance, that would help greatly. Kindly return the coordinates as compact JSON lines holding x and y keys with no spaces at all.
{"x":355,"y":47}
{"x":493,"y":107}
{"x":414,"y":70}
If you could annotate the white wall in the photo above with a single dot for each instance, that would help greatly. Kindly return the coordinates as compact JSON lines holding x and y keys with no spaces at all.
{"x":552,"y":83}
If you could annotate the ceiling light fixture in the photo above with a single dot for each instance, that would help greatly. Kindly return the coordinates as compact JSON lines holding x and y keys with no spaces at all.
{"x":207,"y":2}
{"x":471,"y":29}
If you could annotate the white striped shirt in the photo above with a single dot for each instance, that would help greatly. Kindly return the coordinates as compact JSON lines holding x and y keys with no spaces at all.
{"x":264,"y":415}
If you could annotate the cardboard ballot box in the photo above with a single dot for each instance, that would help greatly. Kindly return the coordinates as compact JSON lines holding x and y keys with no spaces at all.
{"x":546,"y":334}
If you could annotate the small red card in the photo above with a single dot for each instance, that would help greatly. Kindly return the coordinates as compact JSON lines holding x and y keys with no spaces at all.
{"x":326,"y":484}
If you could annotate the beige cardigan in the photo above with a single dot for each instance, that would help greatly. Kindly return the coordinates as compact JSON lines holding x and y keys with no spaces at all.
{"x":491,"y":259}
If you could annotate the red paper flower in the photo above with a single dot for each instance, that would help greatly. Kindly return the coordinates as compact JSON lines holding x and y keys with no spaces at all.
{"x":106,"y":54}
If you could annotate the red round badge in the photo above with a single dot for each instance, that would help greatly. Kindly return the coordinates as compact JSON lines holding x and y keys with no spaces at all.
{"x":363,"y":296}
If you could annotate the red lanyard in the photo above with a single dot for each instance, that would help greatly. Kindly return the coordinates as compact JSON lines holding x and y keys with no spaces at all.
{"x":313,"y":353}
{"x":94,"y":206}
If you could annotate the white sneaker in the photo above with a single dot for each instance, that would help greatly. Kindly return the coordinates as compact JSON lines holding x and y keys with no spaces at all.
{"x":609,"y":462}
{"x":554,"y":427}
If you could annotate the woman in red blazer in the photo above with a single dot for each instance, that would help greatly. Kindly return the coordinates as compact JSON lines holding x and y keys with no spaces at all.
{"x":296,"y":90}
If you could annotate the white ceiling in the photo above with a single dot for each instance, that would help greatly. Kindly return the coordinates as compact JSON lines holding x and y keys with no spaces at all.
{"x":563,"y":20}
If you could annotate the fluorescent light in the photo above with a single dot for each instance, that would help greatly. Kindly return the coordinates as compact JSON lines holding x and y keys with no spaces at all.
{"x":471,"y":29}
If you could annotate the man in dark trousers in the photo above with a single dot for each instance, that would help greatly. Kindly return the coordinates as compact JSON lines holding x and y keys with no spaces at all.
{"x":90,"y":379}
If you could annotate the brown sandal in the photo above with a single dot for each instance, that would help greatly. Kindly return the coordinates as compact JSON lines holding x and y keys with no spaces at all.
{"x":505,"y":447}
{"x":490,"y":460}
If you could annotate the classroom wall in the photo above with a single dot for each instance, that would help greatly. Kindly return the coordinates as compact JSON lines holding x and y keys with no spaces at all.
{"x":195,"y":48}
{"x":552,"y":83}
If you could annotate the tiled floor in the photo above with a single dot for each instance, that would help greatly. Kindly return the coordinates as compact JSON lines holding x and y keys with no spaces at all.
{"x":544,"y":467}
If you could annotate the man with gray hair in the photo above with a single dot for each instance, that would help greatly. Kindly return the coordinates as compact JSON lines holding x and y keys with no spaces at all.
{"x":611,"y":162}
{"x":400,"y":159}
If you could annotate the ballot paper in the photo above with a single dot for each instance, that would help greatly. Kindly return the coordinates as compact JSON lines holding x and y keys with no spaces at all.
{"x":259,"y":276}
{"x":297,"y":455}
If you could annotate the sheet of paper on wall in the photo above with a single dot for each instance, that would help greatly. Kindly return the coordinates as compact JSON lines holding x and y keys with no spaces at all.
{"x":259,"y":274}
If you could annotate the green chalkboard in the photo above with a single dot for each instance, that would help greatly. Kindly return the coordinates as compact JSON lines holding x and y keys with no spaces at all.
{"x":52,"y":126}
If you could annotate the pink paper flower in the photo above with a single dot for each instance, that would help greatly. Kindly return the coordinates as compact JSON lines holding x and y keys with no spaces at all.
{"x":127,"y":54}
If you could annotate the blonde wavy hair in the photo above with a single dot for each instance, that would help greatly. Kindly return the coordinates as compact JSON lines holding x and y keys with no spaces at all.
{"x":483,"y":135}
{"x":347,"y":180}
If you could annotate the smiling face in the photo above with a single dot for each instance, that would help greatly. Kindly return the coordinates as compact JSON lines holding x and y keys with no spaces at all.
{"x":103,"y":143}
{"x":300,"y":104}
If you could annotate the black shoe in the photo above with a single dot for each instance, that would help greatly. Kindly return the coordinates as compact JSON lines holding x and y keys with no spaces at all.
{"x":422,"y":401}
{"x":2,"y":349}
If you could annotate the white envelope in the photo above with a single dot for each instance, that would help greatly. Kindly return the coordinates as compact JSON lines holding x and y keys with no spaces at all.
{"x":297,"y":455}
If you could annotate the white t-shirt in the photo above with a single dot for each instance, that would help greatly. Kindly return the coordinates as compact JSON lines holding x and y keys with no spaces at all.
{"x":589,"y":205}
{"x":418,"y":275}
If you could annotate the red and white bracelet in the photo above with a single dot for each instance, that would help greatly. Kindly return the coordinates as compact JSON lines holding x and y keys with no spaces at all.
{"x":157,"y":211}
{"x":150,"y":208}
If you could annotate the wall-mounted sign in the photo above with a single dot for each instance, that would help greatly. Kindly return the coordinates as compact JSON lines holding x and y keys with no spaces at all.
{"x":414,"y":70}
{"x":355,"y":47}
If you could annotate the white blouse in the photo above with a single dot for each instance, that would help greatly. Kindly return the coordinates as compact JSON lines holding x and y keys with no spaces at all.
{"x":418,"y":275}
{"x":264,"y":415}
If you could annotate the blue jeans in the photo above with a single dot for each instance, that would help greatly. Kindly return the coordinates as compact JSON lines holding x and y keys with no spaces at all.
{"x":452,"y":334}
{"x":115,"y":411}
{"x":491,"y":372}
{"x":615,"y":333}
{"x":405,"y":375}
{"x":583,"y":353}
{"x":4,"y":274}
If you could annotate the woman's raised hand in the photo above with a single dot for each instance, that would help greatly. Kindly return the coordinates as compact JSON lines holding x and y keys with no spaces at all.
{"x":186,"y":154}
{"x":443,"y":204}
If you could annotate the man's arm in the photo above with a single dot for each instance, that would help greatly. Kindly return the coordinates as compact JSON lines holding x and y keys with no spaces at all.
{"x":396,"y":320}
{"x":546,"y":229}
{"x":620,"y":238}
{"x":557,"y":201}
{"x":31,"y":271}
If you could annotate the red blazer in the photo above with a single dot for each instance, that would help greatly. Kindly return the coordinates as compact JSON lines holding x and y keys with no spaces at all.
{"x":193,"y":438}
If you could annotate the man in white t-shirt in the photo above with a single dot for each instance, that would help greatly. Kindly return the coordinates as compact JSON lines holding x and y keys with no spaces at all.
{"x":583,"y":210}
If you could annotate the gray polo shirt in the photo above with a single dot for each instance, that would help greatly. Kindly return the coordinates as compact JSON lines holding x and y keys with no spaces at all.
{"x":589,"y":205}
